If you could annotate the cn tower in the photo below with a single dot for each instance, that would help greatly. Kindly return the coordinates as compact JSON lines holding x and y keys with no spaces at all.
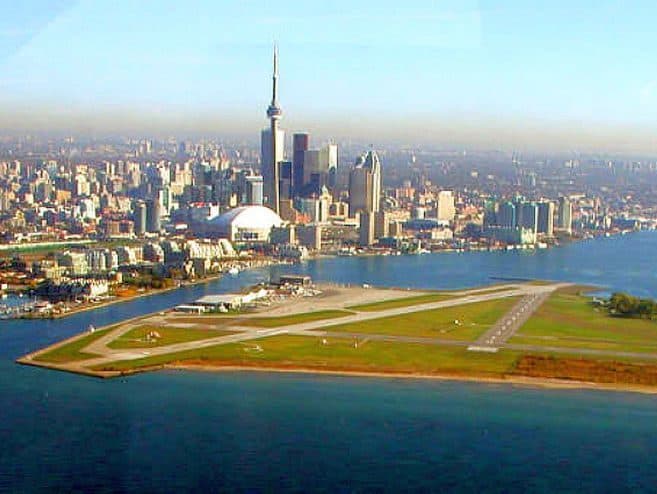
{"x":274,"y":113}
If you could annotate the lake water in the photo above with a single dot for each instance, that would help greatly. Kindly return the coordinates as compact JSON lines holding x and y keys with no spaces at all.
{"x":172,"y":431}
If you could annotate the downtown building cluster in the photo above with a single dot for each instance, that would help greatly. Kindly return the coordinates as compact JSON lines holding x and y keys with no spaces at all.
{"x":144,"y":210}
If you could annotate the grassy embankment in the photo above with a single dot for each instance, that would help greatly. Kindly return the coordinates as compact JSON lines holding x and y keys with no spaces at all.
{"x":337,"y":354}
{"x":580,"y":369}
{"x":569,"y":320}
{"x":72,"y":351}
{"x":136,"y":338}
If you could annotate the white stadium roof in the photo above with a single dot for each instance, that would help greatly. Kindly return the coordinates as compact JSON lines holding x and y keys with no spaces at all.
{"x":246,"y":217}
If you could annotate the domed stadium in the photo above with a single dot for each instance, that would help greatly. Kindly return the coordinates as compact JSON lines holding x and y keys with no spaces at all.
{"x":245,"y":224}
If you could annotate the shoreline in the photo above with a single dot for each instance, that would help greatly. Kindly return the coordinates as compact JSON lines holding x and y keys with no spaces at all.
{"x":509,"y":379}
{"x":506,"y":379}
{"x":503,"y":379}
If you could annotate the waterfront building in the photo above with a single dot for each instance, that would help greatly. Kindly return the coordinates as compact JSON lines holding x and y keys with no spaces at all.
{"x":545,"y":222}
{"x":396,"y":229}
{"x":309,"y":236}
{"x":512,"y":236}
{"x":96,"y":260}
{"x":528,"y":216}
{"x":74,"y":262}
{"x":565,"y":215}
{"x":381,"y":225}
{"x":506,"y":215}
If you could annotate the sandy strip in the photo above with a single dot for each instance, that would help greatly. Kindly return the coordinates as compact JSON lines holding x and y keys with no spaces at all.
{"x":522,"y":381}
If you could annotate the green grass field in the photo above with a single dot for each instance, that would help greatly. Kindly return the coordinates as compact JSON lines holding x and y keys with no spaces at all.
{"x":474,"y":319}
{"x":337,"y":354}
{"x":275,"y":322}
{"x":71,"y":352}
{"x":569,"y":320}
{"x":168,"y":336}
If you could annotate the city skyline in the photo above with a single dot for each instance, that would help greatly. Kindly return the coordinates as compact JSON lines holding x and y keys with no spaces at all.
{"x":455,"y":75}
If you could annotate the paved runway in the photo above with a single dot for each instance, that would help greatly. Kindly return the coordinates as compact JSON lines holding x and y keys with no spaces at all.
{"x":532,"y":297}
{"x":506,"y":327}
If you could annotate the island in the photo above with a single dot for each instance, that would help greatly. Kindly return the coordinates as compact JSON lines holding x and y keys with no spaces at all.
{"x":524,"y":332}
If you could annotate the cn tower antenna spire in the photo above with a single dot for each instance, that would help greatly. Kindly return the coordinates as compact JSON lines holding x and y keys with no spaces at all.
{"x":274,"y":98}
{"x":274,"y":113}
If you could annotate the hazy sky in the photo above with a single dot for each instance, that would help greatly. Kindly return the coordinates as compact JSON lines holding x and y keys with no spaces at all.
{"x":491,"y":73}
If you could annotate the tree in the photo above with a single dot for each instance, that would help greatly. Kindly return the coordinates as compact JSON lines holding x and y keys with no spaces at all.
{"x":646,"y":308}
{"x":622,"y":304}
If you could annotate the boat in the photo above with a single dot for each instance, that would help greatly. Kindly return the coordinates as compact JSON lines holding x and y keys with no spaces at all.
{"x":233,"y":271}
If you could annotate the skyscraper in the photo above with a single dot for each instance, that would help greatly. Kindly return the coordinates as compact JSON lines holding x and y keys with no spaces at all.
{"x":270,"y":169}
{"x":528,"y":217}
{"x":267,"y":166}
{"x":546,"y":218}
{"x":365,"y":184}
{"x":366,"y":230}
{"x":285,"y":180}
{"x":300,"y":144}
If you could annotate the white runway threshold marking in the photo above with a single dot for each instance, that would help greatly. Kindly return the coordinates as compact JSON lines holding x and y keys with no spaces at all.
{"x":487,"y":349}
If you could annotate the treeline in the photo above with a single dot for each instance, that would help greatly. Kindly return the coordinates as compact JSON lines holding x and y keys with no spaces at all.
{"x":150,"y":281}
{"x":625,"y":305}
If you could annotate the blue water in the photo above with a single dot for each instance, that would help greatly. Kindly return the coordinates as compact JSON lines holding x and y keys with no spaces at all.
{"x":185,"y":431}
{"x":617,"y":263}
